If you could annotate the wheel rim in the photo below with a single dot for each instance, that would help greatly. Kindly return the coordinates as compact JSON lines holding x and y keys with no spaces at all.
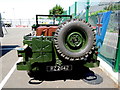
{"x":75,"y":41}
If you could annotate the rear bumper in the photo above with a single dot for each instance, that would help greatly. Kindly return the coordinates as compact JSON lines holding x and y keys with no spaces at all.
{"x":28,"y":67}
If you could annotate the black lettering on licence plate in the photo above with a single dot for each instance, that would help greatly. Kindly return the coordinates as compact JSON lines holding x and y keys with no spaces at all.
{"x":59,"y":68}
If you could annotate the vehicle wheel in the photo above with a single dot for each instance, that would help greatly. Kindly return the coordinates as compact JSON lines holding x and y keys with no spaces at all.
{"x":74,"y":39}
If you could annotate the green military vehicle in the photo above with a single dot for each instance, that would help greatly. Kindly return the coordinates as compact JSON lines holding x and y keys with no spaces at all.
{"x":63,"y":48}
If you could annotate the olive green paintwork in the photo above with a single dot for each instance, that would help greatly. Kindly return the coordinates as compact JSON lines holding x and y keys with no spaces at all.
{"x":41,"y":50}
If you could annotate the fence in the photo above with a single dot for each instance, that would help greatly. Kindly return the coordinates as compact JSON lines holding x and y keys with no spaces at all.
{"x":110,"y":50}
{"x":76,"y":8}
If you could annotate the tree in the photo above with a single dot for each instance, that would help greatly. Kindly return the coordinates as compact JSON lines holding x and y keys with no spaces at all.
{"x":57,"y":10}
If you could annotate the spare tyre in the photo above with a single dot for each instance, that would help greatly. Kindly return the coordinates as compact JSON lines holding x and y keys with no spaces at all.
{"x":74,"y":40}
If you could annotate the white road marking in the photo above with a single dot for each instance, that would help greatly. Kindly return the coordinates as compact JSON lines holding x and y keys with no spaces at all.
{"x":9,"y":74}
